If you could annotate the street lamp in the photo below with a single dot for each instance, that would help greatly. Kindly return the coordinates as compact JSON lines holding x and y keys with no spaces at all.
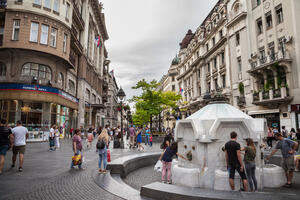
{"x":121,"y":95}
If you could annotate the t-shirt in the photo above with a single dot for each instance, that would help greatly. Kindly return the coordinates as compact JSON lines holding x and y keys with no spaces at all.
{"x":52,"y":132}
{"x":249,"y":155}
{"x":77,"y":139}
{"x":168,"y":155}
{"x":231,"y":147}
{"x":20,"y":135}
{"x":132,"y":131}
{"x":4,"y":135}
{"x":285,"y":146}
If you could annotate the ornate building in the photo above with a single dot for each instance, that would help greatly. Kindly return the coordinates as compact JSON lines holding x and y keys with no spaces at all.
{"x":51,"y":69}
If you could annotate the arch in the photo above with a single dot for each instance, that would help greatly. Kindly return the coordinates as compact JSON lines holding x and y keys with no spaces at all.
{"x":236,"y":7}
{"x":2,"y":69}
{"x":60,"y":79}
{"x":38,"y":70}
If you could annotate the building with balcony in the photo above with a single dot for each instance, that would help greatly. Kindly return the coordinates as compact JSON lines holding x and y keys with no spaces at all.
{"x":48,"y":62}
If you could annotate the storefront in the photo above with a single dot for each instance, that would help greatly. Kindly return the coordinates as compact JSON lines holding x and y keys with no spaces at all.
{"x":38,"y":107}
{"x":296,"y":109}
{"x":272,"y":117}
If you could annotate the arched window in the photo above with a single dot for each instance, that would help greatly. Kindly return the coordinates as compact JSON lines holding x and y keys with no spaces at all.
{"x":2,"y":69}
{"x":38,"y":70}
{"x":60,"y":79}
{"x":71,"y":86}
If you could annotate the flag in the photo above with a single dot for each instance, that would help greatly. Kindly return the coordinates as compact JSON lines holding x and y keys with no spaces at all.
{"x":181,"y":90}
{"x":98,"y":40}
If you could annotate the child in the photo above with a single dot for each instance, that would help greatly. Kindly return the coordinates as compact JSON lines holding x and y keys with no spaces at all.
{"x":150,"y":140}
{"x":166,"y":158}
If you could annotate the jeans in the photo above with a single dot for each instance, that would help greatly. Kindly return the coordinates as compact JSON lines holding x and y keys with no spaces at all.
{"x":79,"y":166}
{"x":269,"y":141}
{"x":166,"y":167}
{"x":250,"y":172}
{"x":146,"y":139}
{"x":102,"y":156}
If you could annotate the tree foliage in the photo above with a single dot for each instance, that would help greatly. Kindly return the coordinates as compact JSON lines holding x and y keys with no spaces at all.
{"x":152,"y":101}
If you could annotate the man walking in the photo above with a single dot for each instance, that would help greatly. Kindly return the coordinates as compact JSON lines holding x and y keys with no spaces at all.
{"x":132,"y":135}
{"x":20,"y":134}
{"x":288,"y":148}
{"x":5,"y":136}
{"x":234,"y":161}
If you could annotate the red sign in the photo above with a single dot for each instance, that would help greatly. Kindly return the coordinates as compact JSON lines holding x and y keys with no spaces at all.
{"x":295,"y":107}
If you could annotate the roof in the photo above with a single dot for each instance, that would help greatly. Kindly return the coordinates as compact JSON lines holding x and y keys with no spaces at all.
{"x":218,"y":110}
{"x":187,"y":39}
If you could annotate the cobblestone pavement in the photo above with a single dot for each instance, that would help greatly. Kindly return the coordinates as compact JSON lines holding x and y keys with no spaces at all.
{"x":47,"y":175}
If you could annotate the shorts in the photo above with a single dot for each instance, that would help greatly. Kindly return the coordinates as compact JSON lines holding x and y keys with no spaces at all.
{"x":238,"y":168}
{"x":288,"y":163}
{"x":3,"y":149}
{"x":19,"y":149}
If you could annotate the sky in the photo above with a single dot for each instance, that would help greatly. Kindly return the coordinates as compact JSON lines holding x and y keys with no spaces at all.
{"x":144,"y":36}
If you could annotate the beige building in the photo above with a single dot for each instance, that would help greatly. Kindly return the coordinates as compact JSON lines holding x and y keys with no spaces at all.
{"x":51,"y":69}
{"x":248,"y":51}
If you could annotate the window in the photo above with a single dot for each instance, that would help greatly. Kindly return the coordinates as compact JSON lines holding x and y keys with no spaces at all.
{"x":215,"y":63}
{"x":213,"y":41}
{"x":1,"y":34}
{"x":173,"y":78}
{"x":208,"y":68}
{"x":259,"y":26}
{"x":271,"y":51}
{"x":16,"y":29}
{"x":71,"y":86}
{"x":44,"y":34}
{"x":56,"y":6}
{"x":60,"y":80}
{"x":208,"y":89}
{"x":262,"y":55}
{"x":258,"y":2}
{"x":281,"y":45}
{"x":47,"y":4}
{"x":279,"y":14}
{"x":221,"y":33}
{"x":207,"y":48}
{"x":237,"y":39}
{"x":87,"y":95}
{"x":173,"y":88}
{"x":34,"y":32}
{"x":38,"y":2}
{"x":269,"y":20}
{"x":53,"y":37}
{"x":2,"y":69}
{"x":38,"y":70}
{"x":65,"y":43}
{"x":94,"y":99}
{"x":67,"y":10}
{"x":224,"y":80}
{"x":239,"y":61}
{"x":216,"y":84}
{"x":222,"y":57}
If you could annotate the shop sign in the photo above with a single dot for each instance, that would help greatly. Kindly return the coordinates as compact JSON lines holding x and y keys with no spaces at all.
{"x":295,"y":107}
{"x":38,"y":88}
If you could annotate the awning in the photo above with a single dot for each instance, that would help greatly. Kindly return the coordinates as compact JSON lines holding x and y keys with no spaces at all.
{"x":260,"y":112}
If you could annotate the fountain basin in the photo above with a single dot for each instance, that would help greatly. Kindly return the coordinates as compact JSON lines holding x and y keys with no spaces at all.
{"x":222,"y":180}
{"x":273,"y":176}
{"x":185,"y":176}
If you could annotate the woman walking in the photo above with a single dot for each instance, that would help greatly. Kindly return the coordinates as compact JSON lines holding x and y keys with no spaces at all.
{"x":270,"y":137}
{"x":139,"y":139}
{"x":102,"y":146}
{"x":57,"y":133}
{"x":77,"y":146}
{"x":249,"y":160}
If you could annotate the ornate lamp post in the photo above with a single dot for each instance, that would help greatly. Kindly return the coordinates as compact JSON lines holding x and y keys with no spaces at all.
{"x":121,"y":95}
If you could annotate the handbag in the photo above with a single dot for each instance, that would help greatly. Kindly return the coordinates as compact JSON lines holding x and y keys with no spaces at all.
{"x":77,"y":159}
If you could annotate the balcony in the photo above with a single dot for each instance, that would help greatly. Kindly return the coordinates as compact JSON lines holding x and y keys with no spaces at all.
{"x":272,"y":98}
{"x":75,"y":44}
{"x":267,"y":61}
{"x":77,"y":17}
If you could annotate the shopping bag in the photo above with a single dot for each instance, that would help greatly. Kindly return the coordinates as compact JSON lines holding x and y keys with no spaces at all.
{"x":76,"y":159}
{"x":158,"y":166}
{"x":108,"y":156}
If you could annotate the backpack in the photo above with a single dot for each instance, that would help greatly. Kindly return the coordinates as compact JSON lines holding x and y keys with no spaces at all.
{"x":100,"y":144}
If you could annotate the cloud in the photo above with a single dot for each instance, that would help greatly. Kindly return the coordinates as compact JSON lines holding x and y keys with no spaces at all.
{"x":145,"y":35}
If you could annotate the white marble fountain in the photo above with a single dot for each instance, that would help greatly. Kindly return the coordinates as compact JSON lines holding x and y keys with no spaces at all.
{"x":203,"y":134}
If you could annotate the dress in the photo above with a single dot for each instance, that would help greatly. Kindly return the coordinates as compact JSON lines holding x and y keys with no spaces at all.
{"x":139,"y":138}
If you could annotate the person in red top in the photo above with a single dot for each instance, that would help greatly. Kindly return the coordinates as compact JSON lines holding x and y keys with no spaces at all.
{"x":150,"y":140}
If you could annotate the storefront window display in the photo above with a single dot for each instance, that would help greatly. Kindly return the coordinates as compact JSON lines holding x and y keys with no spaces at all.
{"x":273,"y":119}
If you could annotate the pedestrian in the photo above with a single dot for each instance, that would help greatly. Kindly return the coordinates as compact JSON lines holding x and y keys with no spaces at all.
{"x":20,"y":134}
{"x":71,"y":132}
{"x":249,"y":160}
{"x":90,"y":138}
{"x":150,"y":140}
{"x":52,"y":138}
{"x":82,"y":132}
{"x":270,"y":137}
{"x":102,"y":146}
{"x":132,"y":135}
{"x":56,"y":137}
{"x":77,"y":147}
{"x":288,"y":148}
{"x":5,"y":142}
{"x":284,"y":132}
{"x":234,"y":161}
{"x":139,"y":139}
{"x":147,"y":134}
{"x":167,"y":141}
{"x":94,"y":132}
{"x":166,"y":157}
{"x":292,"y":135}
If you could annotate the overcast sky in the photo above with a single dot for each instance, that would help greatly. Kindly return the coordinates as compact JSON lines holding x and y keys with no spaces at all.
{"x":144,"y":35}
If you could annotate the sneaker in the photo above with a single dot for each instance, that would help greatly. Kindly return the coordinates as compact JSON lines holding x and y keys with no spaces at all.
{"x":20,"y":169}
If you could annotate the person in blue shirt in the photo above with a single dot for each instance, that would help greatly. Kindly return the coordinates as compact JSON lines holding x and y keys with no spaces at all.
{"x":147,"y":135}
{"x":166,"y":158}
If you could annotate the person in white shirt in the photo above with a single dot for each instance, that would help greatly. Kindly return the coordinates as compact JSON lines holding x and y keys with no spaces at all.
{"x":20,"y":134}
{"x":57,"y":133}
{"x":51,"y":137}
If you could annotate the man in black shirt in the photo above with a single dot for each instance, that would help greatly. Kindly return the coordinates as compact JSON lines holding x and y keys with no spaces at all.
{"x":234,"y":161}
{"x":5,"y":133}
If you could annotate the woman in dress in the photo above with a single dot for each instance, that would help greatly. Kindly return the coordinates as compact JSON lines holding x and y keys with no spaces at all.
{"x":139,"y":139}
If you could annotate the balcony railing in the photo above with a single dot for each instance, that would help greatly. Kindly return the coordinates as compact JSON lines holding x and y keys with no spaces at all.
{"x":266,"y":95}
{"x":263,"y":60}
{"x":273,"y":97}
{"x":256,"y":96}
{"x":277,"y":93}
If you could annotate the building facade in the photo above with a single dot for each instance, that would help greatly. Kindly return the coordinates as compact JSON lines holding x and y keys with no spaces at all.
{"x":49,"y":61}
{"x":248,"y":51}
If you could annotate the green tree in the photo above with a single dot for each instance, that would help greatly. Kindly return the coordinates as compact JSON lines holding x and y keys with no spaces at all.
{"x":152,"y":101}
